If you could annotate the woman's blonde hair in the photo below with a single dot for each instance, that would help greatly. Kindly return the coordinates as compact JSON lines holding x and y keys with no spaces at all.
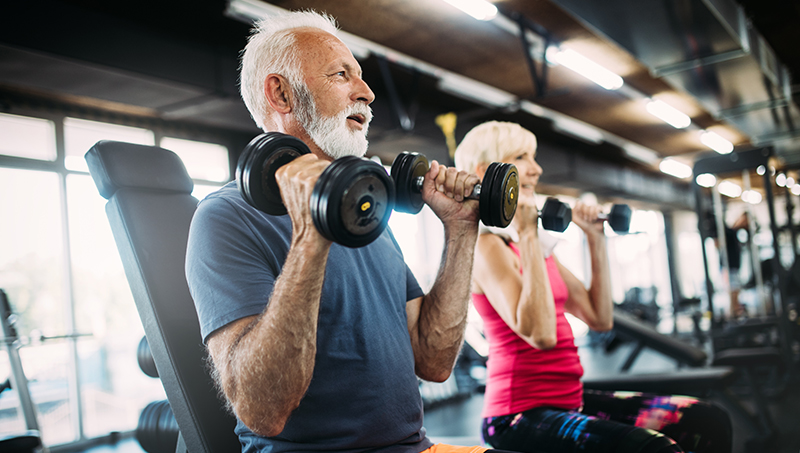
{"x":493,"y":141}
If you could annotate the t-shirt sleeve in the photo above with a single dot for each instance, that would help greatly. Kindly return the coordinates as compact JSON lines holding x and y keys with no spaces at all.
{"x":412,"y":286}
{"x":229,"y":271}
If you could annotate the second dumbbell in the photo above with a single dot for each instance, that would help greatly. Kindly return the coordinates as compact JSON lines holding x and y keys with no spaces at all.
{"x":351,"y":201}
{"x":497,"y":194}
{"x":556,"y":216}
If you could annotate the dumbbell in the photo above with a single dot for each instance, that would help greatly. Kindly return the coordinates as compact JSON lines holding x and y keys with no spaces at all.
{"x":351,"y":201}
{"x":497,"y":194}
{"x":557,"y":215}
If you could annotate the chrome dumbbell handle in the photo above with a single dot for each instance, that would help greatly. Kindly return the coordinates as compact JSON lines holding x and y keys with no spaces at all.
{"x":475,"y":195}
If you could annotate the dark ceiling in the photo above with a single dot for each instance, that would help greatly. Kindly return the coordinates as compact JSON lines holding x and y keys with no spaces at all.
{"x":176,"y":61}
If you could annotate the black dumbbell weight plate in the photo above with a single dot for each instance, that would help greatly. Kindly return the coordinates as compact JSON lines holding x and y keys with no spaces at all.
{"x":555,"y":215}
{"x":484,"y":203}
{"x":406,"y":169}
{"x":255,"y":171}
{"x":352,"y":201}
{"x":499,"y":194}
{"x":619,"y":218}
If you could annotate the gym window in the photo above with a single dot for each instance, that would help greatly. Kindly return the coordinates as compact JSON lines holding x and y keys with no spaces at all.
{"x":62,"y":273}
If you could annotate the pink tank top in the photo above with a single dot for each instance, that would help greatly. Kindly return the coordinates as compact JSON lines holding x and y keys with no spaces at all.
{"x":521,"y":377}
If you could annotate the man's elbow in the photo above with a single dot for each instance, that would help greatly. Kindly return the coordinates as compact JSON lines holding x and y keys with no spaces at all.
{"x":434,"y":375}
{"x":262,"y":424}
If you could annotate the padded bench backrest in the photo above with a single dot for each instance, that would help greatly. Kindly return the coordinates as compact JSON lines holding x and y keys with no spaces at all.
{"x":630,"y":327}
{"x":150,"y":207}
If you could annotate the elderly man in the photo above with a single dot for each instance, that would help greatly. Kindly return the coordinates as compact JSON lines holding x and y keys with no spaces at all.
{"x":316,"y":346}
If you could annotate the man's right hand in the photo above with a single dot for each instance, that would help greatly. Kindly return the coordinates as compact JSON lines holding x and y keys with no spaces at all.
{"x":296,"y":180}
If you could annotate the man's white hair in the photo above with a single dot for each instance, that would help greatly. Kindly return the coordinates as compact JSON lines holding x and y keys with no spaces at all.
{"x":270,"y":50}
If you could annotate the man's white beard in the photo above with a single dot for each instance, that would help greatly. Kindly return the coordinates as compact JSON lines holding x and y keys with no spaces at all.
{"x":332,"y":134}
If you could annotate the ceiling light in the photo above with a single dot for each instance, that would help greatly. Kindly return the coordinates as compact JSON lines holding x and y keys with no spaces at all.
{"x":796,"y":189}
{"x":751,"y":196}
{"x":644,"y":155}
{"x":780,"y":180}
{"x":761,"y":170}
{"x":668,"y":114}
{"x":674,"y":168}
{"x":729,"y":189}
{"x":533,"y":109}
{"x":479,"y":9}
{"x":473,"y":90}
{"x":578,"y":130}
{"x":706,"y":180}
{"x":715,"y":142}
{"x":585,"y":67}
{"x":790,"y":181}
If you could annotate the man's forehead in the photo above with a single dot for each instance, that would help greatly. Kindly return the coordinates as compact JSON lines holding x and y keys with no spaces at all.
{"x":324,"y":49}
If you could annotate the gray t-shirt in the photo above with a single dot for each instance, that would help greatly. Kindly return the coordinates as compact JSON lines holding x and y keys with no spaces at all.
{"x":364,"y":394}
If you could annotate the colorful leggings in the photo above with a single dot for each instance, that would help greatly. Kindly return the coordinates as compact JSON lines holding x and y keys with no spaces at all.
{"x":624,"y":422}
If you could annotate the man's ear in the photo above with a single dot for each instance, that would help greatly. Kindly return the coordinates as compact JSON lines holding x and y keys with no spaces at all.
{"x":278,"y":93}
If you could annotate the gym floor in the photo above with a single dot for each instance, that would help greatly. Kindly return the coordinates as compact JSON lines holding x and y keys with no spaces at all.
{"x":459,"y":421}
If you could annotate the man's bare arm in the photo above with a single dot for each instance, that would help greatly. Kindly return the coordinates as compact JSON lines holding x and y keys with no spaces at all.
{"x":436,"y":321}
{"x":264,"y":363}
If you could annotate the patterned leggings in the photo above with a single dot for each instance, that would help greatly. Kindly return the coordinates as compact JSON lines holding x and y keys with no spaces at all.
{"x":624,"y":422}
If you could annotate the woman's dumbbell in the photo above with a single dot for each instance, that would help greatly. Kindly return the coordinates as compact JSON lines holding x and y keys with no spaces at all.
{"x":557,"y":215}
{"x":351,"y":201}
{"x":497,"y":194}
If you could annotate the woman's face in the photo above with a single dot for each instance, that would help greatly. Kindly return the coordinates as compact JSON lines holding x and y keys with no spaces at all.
{"x":529,"y":170}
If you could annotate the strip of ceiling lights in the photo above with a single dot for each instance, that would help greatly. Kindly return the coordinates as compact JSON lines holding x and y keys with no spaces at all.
{"x":251,"y":10}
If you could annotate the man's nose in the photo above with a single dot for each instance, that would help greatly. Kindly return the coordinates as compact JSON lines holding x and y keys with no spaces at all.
{"x":362,"y":92}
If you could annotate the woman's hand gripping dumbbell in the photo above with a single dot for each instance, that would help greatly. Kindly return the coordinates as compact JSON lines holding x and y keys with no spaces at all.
{"x":556,"y":216}
{"x":497,"y":194}
{"x":351,"y":200}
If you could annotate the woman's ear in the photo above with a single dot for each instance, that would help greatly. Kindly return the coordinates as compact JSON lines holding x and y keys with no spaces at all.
{"x":480,"y":170}
{"x":278,"y":93}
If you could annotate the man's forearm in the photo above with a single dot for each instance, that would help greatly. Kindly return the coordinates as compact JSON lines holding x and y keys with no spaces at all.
{"x":270,"y":362}
{"x":443,"y":313}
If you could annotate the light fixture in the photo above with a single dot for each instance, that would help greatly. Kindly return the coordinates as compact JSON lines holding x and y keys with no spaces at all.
{"x":706,"y":180}
{"x":643,"y":155}
{"x":473,"y":90}
{"x":579,"y":130}
{"x":795,"y":189}
{"x":715,"y":142}
{"x":479,"y":9}
{"x":587,"y":68}
{"x":668,"y":113}
{"x":751,"y":196}
{"x":674,"y":168}
{"x":761,"y":170}
{"x":533,"y":109}
{"x":729,"y":189}
{"x":780,"y":180}
{"x":790,"y":181}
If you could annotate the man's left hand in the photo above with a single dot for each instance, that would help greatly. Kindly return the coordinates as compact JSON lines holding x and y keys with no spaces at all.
{"x":445,"y":190}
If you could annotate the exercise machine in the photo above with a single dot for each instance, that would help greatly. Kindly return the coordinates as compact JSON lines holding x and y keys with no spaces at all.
{"x":149,"y":208}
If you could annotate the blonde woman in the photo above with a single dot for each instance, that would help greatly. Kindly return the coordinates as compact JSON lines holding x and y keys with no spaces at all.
{"x":534,"y":398}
